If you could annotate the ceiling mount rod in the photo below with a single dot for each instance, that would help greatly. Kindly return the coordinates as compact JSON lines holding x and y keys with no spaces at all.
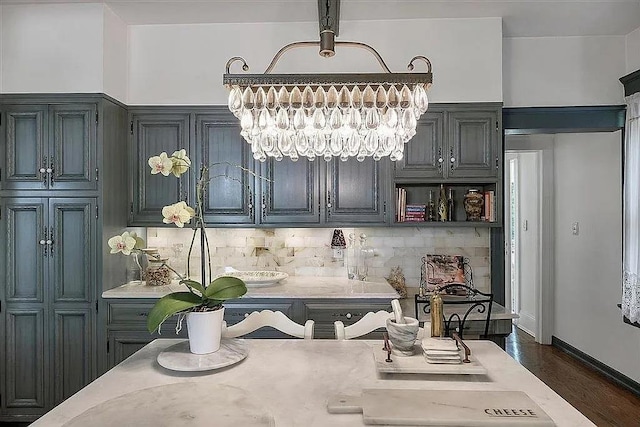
{"x":328,"y":19}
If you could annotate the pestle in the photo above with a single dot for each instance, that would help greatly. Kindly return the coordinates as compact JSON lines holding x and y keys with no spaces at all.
{"x":397,"y":311}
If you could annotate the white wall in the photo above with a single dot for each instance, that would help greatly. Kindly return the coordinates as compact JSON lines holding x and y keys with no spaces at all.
{"x":52,"y":48}
{"x":557,"y":71}
{"x":633,"y":51}
{"x":183,"y":64}
{"x":529,"y":205}
{"x":115,"y":56}
{"x":588,"y":266}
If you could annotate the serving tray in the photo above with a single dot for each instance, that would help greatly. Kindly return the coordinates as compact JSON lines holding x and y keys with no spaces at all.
{"x":258,"y":278}
{"x":417,"y":364}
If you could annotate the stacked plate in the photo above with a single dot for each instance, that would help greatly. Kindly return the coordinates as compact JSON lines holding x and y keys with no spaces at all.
{"x":441,"y":350}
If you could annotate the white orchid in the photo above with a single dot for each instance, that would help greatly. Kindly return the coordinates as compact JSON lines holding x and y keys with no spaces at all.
{"x":161,"y":164}
{"x":180,"y":162}
{"x":178,"y":214}
{"x":124,"y":243}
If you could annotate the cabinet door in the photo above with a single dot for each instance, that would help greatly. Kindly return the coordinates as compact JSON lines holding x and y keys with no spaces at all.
{"x":23,"y":234}
{"x":73,"y":352}
{"x":23,"y":149}
{"x":152,"y":135}
{"x":72,"y":153}
{"x":424,"y":153}
{"x":355,"y":191}
{"x":25,"y":362}
{"x":473,"y":139}
{"x":122,"y":344}
{"x":72,"y":230}
{"x":291,"y":194}
{"x":231,"y":192}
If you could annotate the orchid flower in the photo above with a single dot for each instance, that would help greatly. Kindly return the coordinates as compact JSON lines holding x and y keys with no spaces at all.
{"x":161,"y":164}
{"x":178,"y":214}
{"x":180,"y":162}
{"x":124,"y":243}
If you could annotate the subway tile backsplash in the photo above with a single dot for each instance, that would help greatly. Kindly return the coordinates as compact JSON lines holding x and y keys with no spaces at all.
{"x":307,"y":251}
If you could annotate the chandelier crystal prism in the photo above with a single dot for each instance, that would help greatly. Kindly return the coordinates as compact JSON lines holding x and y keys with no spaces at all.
{"x":328,"y":115}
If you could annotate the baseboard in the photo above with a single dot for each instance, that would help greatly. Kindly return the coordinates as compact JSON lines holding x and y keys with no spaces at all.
{"x":615,"y":376}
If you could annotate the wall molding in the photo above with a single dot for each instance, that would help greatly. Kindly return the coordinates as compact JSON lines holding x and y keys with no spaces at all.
{"x":615,"y":376}
{"x":631,"y":83}
{"x":532,"y":120}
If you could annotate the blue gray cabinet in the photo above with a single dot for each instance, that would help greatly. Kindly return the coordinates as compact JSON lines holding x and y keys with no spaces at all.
{"x":231,"y":197}
{"x":49,"y":147}
{"x":49,"y":276}
{"x":291,"y":193}
{"x":63,"y":188}
{"x":127,"y":319}
{"x":455,"y":142}
{"x":356,"y":191}
{"x":152,"y":133}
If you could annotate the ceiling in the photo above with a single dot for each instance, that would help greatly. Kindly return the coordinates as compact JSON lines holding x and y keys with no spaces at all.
{"x":521,"y":18}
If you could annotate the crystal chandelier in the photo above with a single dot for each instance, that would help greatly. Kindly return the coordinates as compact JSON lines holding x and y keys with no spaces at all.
{"x":328,"y":115}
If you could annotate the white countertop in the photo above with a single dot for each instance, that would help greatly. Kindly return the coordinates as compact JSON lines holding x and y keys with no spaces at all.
{"x":291,"y":287}
{"x":288,"y":383}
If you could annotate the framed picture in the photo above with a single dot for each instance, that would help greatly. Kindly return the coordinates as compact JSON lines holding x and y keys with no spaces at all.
{"x":440,"y":270}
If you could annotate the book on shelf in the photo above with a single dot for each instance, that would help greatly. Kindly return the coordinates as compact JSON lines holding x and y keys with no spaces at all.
{"x":401,"y":201}
{"x":489,"y":206}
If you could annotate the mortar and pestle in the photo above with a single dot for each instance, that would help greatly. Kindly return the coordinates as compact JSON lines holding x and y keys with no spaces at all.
{"x":402,"y":331}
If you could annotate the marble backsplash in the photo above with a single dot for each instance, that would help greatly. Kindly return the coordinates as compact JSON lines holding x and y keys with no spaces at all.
{"x":307,"y":251}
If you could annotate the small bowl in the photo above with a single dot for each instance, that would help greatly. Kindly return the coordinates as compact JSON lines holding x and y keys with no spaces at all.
{"x":403,"y":336}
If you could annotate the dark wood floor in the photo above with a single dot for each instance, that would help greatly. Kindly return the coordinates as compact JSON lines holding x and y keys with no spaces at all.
{"x":599,"y":399}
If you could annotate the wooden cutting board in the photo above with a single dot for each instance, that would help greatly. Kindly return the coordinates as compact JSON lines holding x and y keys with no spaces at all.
{"x":443,"y":408}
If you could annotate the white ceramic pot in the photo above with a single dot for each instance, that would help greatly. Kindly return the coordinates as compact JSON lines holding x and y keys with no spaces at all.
{"x":205,"y":330}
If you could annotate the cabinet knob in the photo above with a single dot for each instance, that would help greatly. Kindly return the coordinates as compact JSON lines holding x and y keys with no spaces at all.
{"x":49,"y":170}
{"x":250,"y":206}
{"x":453,"y":159}
{"x":440,"y":160}
{"x":348,"y":316}
{"x":328,"y":205}
{"x":42,"y":170}
{"x":246,"y":315}
{"x":49,"y":242}
{"x":42,"y":242}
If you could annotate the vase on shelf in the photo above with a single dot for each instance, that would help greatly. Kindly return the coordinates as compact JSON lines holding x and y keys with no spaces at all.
{"x":473,"y":202}
{"x":134,"y":269}
{"x":442,"y":205}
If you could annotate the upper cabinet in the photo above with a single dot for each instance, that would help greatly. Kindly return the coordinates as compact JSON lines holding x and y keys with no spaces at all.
{"x":456,"y":142}
{"x":356,"y":191}
{"x":291,"y":192}
{"x":230,"y":197}
{"x":151,"y":134}
{"x":49,"y":147}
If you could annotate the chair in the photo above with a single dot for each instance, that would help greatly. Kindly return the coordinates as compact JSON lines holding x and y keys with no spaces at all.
{"x":369,"y":322}
{"x":275,"y":319}
{"x":478,"y":302}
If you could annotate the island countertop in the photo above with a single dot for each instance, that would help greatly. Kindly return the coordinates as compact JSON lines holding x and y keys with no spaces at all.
{"x":291,"y":287}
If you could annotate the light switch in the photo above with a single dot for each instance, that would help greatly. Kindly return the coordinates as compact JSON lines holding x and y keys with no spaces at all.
{"x":575,"y":228}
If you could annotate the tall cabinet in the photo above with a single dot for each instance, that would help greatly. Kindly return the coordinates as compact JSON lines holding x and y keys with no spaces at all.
{"x":57,"y":153}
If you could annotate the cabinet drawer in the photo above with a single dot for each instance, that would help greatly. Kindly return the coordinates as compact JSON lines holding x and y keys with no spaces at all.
{"x":327,"y":313}
{"x":129,"y":313}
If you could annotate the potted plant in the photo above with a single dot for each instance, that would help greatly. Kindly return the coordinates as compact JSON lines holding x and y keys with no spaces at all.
{"x":202,"y":302}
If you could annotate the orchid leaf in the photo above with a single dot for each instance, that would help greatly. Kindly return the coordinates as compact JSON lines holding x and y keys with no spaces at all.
{"x":169,"y":305}
{"x":224,"y":288}
{"x":193,"y":285}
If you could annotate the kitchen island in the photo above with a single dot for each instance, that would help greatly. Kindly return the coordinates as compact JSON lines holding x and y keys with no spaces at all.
{"x":285,"y":383}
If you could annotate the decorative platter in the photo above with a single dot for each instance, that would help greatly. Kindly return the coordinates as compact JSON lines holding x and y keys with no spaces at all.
{"x":258,"y":278}
{"x":179,"y":358}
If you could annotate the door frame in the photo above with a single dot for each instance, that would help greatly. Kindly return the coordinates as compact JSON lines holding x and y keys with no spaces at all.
{"x":545,"y":292}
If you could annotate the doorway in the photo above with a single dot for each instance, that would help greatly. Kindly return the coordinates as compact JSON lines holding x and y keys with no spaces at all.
{"x":523,"y":238}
